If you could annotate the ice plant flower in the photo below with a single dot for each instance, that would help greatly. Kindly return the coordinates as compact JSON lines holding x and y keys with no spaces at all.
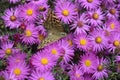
{"x":66,"y":11}
{"x":28,"y":12}
{"x":10,"y":18}
{"x":82,"y":42}
{"x":43,"y":61}
{"x":80,"y":25}
{"x":96,"y":17}
{"x":37,"y":75}
{"x":88,"y":63}
{"x":90,"y":4}
{"x":98,"y":40}
{"x":101,"y":71}
{"x":30,"y":35}
{"x":20,"y":70}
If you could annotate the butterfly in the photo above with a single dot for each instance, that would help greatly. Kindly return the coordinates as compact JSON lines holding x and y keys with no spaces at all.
{"x":54,"y":27}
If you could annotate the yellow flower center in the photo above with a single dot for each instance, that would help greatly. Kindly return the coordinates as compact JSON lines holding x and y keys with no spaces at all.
{"x":98,"y":40}
{"x":17,"y":71}
{"x":41,"y":37}
{"x":42,"y":8}
{"x":77,"y":75}
{"x":116,"y":43}
{"x":44,"y":61}
{"x":13,"y":18}
{"x":28,"y":33}
{"x":112,"y":25}
{"x":112,"y":11}
{"x":29,"y":12}
{"x":8,"y":51}
{"x":80,"y":23}
{"x":88,"y":63}
{"x":41,"y":79}
{"x":70,"y":42}
{"x":54,"y":51}
{"x":95,"y":16}
{"x":100,"y":68}
{"x":65,"y":12}
{"x":83,"y":42}
{"x":90,"y":1}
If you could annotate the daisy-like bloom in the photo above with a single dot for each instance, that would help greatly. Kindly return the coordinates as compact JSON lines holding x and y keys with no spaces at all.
{"x":80,"y":25}
{"x":54,"y":49}
{"x":4,"y":39}
{"x":11,"y":19}
{"x":13,"y":1}
{"x":43,"y":10}
{"x":112,"y":25}
{"x":101,"y":71}
{"x":30,"y":35}
{"x":28,"y":12}
{"x":98,"y":40}
{"x":42,"y":33}
{"x":108,"y":3}
{"x":88,"y":63}
{"x":43,"y":61}
{"x":90,"y":4}
{"x":20,"y":70}
{"x":76,"y":74}
{"x":5,"y":75}
{"x":82,"y":42}
{"x":114,"y":41}
{"x":112,"y":12}
{"x":17,"y":58}
{"x":66,"y":11}
{"x":67,"y":51}
{"x":37,"y":75}
{"x":7,"y":49}
{"x":95,"y":17}
{"x":38,"y":2}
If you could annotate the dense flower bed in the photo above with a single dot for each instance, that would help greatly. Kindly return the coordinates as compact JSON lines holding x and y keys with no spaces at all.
{"x":59,"y":40}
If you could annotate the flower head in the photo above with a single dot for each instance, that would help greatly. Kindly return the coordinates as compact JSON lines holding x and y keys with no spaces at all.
{"x":11,"y":19}
{"x":65,"y":11}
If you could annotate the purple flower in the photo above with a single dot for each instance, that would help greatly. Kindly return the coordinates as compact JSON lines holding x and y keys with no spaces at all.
{"x":11,"y":18}
{"x":101,"y":71}
{"x":90,"y":4}
{"x":82,"y":42}
{"x":20,"y":70}
{"x":114,"y":41}
{"x":13,"y":1}
{"x":76,"y":73}
{"x":37,"y":75}
{"x":30,"y":35}
{"x":80,"y":25}
{"x":96,"y":17}
{"x":7,"y":49}
{"x":65,"y":11}
{"x":88,"y":63}
{"x":98,"y":40}
{"x":67,"y":51}
{"x":43,"y":61}
{"x":38,"y":2}
{"x":28,"y":12}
